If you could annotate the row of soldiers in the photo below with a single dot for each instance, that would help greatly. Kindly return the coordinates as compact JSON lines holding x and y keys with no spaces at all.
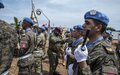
{"x":88,"y":49}
{"x":92,"y":56}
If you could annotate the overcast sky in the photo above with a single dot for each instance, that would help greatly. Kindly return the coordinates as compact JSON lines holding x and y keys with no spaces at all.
{"x":62,"y":12}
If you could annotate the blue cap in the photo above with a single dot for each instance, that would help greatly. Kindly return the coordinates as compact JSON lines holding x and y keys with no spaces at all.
{"x":71,"y":29}
{"x":43,"y":28}
{"x":28,"y":20}
{"x":1,"y":4}
{"x":108,"y":32}
{"x":78,"y":27}
{"x":46,"y":27}
{"x":93,"y":14}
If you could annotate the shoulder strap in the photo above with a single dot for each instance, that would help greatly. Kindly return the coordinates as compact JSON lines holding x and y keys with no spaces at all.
{"x":29,"y":42}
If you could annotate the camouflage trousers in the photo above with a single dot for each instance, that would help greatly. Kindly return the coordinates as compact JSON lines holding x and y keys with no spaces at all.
{"x":38,"y":65}
{"x":25,"y":64}
{"x":38,"y":60}
{"x":25,"y":70}
{"x":53,"y":61}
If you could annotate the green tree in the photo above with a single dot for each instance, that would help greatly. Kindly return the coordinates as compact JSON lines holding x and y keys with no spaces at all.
{"x":110,"y":28}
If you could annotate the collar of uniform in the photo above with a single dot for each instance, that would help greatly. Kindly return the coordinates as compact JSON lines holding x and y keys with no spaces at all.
{"x":28,"y":29}
{"x":77,"y":41}
{"x":89,"y":44}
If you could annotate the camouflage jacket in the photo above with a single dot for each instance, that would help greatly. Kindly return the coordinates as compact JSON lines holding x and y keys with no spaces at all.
{"x":101,"y":61}
{"x":8,"y":42}
{"x":29,"y":40}
{"x":41,"y":41}
{"x":55,"y":43}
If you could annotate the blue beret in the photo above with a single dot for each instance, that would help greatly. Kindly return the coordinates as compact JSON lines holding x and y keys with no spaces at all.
{"x":78,"y":27}
{"x":46,"y":27}
{"x":28,"y":20}
{"x":108,"y":32}
{"x":43,"y":28}
{"x":71,"y":29}
{"x":1,"y":4}
{"x":93,"y":14}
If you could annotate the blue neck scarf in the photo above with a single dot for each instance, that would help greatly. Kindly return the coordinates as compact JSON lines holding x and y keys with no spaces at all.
{"x":77,"y":41}
{"x":89,"y":44}
{"x":28,"y":29}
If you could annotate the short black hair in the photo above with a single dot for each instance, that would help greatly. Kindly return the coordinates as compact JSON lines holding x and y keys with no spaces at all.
{"x":103,"y":25}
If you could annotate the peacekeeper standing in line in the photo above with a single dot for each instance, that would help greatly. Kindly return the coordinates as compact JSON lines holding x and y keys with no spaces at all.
{"x":26,"y":58}
{"x":107,"y":37}
{"x":39,"y":52}
{"x":118,"y":53}
{"x":77,"y":34}
{"x":55,"y":42}
{"x":95,"y":58}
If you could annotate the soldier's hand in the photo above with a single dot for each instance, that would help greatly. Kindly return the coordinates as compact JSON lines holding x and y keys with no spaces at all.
{"x":68,"y":51}
{"x":81,"y":55}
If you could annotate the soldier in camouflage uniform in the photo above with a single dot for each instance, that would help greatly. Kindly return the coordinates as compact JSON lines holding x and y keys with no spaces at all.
{"x":97,"y":58}
{"x":77,"y":34}
{"x":55,"y":42}
{"x":46,"y":42}
{"x":39,"y":52}
{"x":107,"y":37}
{"x":118,"y":53}
{"x":26,"y":58}
{"x":8,"y":43}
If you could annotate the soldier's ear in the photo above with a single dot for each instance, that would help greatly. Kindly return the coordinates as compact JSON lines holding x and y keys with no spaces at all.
{"x":98,"y":27}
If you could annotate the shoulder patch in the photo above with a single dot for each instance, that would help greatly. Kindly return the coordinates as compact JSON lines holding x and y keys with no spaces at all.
{"x":109,"y":49}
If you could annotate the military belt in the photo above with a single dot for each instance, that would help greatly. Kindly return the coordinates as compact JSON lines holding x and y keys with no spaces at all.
{"x":5,"y":73}
{"x":26,"y":56}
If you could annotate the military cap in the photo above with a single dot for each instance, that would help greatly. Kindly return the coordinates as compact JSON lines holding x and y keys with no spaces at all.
{"x":71,"y":29}
{"x":108,"y":32}
{"x":28,"y":20}
{"x":57,"y":29}
{"x":42,"y":28}
{"x":93,"y":14}
{"x":46,"y":27}
{"x":78,"y":27}
{"x":1,"y":4}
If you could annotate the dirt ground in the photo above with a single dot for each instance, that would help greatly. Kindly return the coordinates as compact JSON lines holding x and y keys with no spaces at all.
{"x":60,"y":68}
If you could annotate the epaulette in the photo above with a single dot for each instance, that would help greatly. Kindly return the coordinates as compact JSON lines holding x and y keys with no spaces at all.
{"x":107,"y":48}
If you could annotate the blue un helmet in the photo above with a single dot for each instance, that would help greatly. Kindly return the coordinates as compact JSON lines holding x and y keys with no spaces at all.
{"x":28,"y":20}
{"x":1,"y":4}
{"x":93,"y":14}
{"x":108,"y":32}
{"x":78,"y":27}
{"x":42,"y":28}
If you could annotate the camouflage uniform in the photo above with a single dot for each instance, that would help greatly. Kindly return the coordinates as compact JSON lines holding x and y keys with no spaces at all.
{"x":101,"y":60}
{"x":8,"y":41}
{"x":53,"y":52}
{"x":38,"y":53}
{"x":26,"y":58}
{"x":118,"y":54}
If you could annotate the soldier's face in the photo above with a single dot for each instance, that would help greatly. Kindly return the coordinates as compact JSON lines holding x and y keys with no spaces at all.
{"x":76,"y":33}
{"x":24,"y":25}
{"x":89,"y":24}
